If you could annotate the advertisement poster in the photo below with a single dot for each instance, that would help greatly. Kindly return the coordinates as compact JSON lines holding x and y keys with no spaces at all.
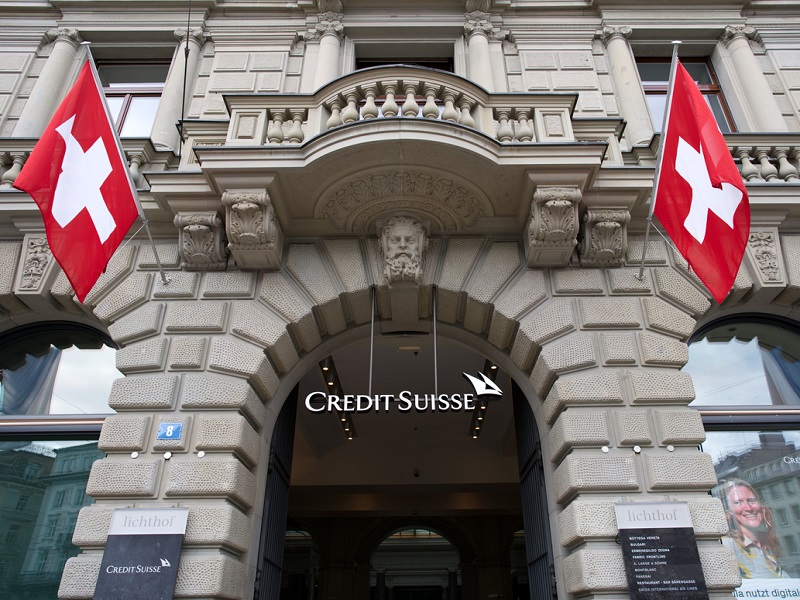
{"x":759,"y":487}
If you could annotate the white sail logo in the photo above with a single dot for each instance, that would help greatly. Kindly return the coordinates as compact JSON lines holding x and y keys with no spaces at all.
{"x":484,"y":386}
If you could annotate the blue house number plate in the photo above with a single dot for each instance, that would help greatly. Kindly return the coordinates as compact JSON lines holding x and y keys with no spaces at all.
{"x":169,"y":431}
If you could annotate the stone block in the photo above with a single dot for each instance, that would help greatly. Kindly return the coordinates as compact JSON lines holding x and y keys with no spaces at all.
{"x":124,"y":433}
{"x":149,"y":355}
{"x":665,"y":318}
{"x":459,"y":258}
{"x":626,"y":281}
{"x":691,"y":470}
{"x":790,"y":247}
{"x":228,"y":432}
{"x":609,"y":313}
{"x":660,"y":350}
{"x":116,"y":272}
{"x":263,"y":328}
{"x":518,"y":298}
{"x":595,"y":570}
{"x":188,"y":353}
{"x":656,"y":253}
{"x":80,"y":577}
{"x":91,"y":527}
{"x":348,"y":260}
{"x":618,"y":348}
{"x":178,"y":445}
{"x":210,"y":575}
{"x":708,"y":516}
{"x":142,"y":323}
{"x":130,"y":293}
{"x":675,"y":288}
{"x":284,"y":298}
{"x":111,"y":478}
{"x":633,"y":428}
{"x":575,"y":282}
{"x":211,"y":477}
{"x":573,"y":354}
{"x":167,"y":254}
{"x":244,"y":360}
{"x":679,"y":427}
{"x":500,"y":262}
{"x":659,"y":386}
{"x":594,"y":471}
{"x":720,"y":569}
{"x":181,"y":284}
{"x":582,"y":521}
{"x":546,"y":323}
{"x":596,"y":388}
{"x":144,"y":392}
{"x":307,"y":267}
{"x":197,"y":316}
{"x":229,"y":285}
{"x":578,"y":429}
{"x":217,"y":524}
{"x":215,"y":392}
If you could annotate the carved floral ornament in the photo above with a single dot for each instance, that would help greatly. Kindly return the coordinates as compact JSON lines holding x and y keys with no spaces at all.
{"x":37,"y":258}
{"x":200,"y":240}
{"x":553,"y":226}
{"x":764,"y":249}
{"x":356,"y":204}
{"x":254,"y":235}
{"x":605,"y":239}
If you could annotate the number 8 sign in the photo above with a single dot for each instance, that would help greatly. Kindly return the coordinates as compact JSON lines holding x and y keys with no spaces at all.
{"x":169,"y":431}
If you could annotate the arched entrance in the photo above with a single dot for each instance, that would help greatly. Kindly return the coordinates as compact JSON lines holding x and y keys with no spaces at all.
{"x":418,"y":451}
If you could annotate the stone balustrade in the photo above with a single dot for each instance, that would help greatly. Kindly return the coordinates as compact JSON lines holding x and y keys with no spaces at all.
{"x":773,"y":158}
{"x":399,"y":93}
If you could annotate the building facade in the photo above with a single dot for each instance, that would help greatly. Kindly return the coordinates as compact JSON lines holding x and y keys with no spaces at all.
{"x":464,"y":184}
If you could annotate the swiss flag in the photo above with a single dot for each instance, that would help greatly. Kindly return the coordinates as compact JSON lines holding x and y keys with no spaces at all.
{"x":701,"y":199}
{"x":79,"y":180}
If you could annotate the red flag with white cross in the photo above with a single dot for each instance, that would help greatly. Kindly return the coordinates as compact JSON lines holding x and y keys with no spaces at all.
{"x":77,"y":176}
{"x":701,"y":199}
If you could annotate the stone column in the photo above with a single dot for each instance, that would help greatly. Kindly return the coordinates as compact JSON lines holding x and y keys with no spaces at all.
{"x":173,"y":99}
{"x":47,"y":92}
{"x":330,"y":31}
{"x":628,"y":87}
{"x":755,"y":87}
{"x":477,"y":30}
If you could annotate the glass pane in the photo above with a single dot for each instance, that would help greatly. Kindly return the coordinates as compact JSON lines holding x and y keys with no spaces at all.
{"x":115,"y":106}
{"x":758,"y":473}
{"x":657,"y":73}
{"x":140,"y":116}
{"x":132,"y":75}
{"x":746,"y":364}
{"x":69,"y":381}
{"x":657,"y":103}
{"x":43,"y":488}
{"x":719,"y":114}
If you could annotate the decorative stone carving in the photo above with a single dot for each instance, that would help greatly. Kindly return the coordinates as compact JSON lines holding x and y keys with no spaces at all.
{"x":254,"y":236}
{"x":355,"y":204}
{"x":763,"y":260}
{"x":477,"y":5}
{"x":65,"y":34}
{"x":552,"y":226}
{"x":330,"y":23}
{"x":201,"y":241}
{"x":478,"y":22}
{"x":329,"y":5}
{"x":610,"y":33}
{"x":764,"y":249}
{"x":605,"y":237}
{"x":196,"y":34}
{"x":403,"y":240}
{"x":37,"y":259}
{"x":734,"y":31}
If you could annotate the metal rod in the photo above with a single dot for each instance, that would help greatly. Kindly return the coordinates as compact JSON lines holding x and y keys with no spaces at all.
{"x":672,"y":70}
{"x":371,"y":339}
{"x":435,"y":349}
{"x":185,"y":76}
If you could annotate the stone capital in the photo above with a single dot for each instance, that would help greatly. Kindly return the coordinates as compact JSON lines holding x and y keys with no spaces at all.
{"x":477,"y":22}
{"x":196,"y":35}
{"x":64,"y":34}
{"x":200,"y":240}
{"x":733,"y":32}
{"x":255,"y":238}
{"x":605,"y":237}
{"x":609,"y":33}
{"x":330,"y":23}
{"x":552,"y":226}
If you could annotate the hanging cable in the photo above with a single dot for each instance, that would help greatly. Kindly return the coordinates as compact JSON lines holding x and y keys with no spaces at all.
{"x":435,"y":350}
{"x":371,"y":339}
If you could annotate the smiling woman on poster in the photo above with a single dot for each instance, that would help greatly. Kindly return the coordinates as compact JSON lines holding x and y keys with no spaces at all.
{"x":751,"y":535}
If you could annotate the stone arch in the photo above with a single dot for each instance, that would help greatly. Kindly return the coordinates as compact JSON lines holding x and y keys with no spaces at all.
{"x":598,"y":351}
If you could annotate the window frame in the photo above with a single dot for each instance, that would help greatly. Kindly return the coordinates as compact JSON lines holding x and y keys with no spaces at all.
{"x":128,"y":94}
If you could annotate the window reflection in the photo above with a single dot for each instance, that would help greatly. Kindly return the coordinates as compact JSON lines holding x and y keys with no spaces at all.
{"x":43,"y":488}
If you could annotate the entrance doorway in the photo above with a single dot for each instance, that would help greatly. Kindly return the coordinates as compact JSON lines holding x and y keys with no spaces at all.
{"x":362,"y":478}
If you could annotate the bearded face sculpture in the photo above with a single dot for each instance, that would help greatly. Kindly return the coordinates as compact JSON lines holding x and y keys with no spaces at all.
{"x":403,"y":240}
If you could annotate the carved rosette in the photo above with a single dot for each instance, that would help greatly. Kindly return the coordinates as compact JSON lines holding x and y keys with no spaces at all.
{"x":552,"y":226}
{"x":201,"y":241}
{"x":763,"y":248}
{"x":255,"y":238}
{"x":605,"y":237}
{"x":36,"y":262}
{"x":356,"y":204}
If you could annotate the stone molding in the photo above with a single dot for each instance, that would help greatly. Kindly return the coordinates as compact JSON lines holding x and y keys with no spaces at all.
{"x":255,"y":238}
{"x":605,"y":237}
{"x":200,"y":240}
{"x":552,"y":229}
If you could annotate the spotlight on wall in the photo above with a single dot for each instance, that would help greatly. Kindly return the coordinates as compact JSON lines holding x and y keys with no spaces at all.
{"x":334,"y":385}
{"x":490,"y":370}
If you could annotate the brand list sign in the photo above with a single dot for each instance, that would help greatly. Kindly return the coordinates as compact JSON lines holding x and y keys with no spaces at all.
{"x":142,"y":553}
{"x":660,"y":551}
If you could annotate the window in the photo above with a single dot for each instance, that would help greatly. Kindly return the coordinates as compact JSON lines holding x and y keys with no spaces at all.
{"x":791,"y":544}
{"x":59,"y":499}
{"x":22,"y":502}
{"x":12,"y":532}
{"x":655,"y":80}
{"x":783,"y":518}
{"x":796,"y":512}
{"x":133,"y":91}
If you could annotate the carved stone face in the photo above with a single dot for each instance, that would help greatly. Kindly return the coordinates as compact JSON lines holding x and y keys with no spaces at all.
{"x":403,"y":240}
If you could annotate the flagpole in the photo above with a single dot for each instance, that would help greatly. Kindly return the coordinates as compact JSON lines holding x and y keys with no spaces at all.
{"x":662,"y":138}
{"x":164,"y":279}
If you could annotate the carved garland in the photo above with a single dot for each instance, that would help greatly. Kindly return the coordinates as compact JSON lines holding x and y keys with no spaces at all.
{"x":37,"y":257}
